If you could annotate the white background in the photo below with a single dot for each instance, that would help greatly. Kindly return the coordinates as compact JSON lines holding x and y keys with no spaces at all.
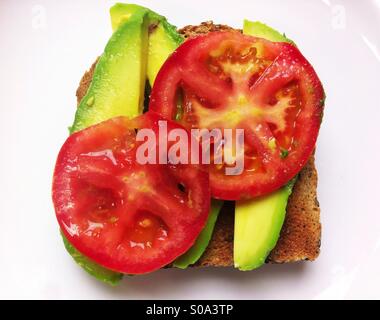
{"x":45,"y":46}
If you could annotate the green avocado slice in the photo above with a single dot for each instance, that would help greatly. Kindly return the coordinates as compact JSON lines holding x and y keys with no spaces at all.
{"x":200,"y":245}
{"x":94,"y":269}
{"x":261,"y":30}
{"x":161,"y":44}
{"x":121,"y":12}
{"x":258,"y":222}
{"x":118,"y":83}
{"x":163,"y":36}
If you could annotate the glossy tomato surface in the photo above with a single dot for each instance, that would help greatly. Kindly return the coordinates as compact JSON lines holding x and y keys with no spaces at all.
{"x":227,"y":80}
{"x":129,"y":217}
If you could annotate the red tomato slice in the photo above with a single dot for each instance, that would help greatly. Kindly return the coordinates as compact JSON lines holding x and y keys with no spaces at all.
{"x":128,"y":217}
{"x":227,"y":80}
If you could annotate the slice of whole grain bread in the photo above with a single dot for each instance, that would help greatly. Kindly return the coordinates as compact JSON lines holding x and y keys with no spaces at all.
{"x":301,"y":232}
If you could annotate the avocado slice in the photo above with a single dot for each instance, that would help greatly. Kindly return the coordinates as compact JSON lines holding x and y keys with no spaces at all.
{"x":121,"y":12}
{"x":163,"y":40}
{"x":200,"y":245}
{"x":261,"y":30}
{"x":258,"y":222}
{"x":163,"y":36}
{"x":117,"y":87}
{"x":94,"y":269}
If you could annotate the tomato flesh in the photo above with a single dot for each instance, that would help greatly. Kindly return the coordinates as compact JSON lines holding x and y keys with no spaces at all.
{"x":226,"y":80}
{"x":128,"y":217}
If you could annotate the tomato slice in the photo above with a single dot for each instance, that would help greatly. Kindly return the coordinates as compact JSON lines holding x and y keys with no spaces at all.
{"x":227,"y":80}
{"x":128,"y":217}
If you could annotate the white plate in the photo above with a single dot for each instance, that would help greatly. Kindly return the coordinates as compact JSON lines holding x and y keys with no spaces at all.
{"x":45,"y":48}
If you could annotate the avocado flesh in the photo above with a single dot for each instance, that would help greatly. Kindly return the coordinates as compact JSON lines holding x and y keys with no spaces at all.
{"x":258,"y":224}
{"x":163,"y":37}
{"x":258,"y":221}
{"x":161,"y":45}
{"x":121,"y":12}
{"x":200,"y":245}
{"x":94,"y":269}
{"x":117,"y":87}
{"x":261,"y":30}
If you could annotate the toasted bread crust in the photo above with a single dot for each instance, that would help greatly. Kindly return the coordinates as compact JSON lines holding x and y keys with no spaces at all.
{"x":205,"y":27}
{"x":301,"y":233}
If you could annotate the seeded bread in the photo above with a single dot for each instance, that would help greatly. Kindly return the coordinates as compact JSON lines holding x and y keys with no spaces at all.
{"x":301,"y":233}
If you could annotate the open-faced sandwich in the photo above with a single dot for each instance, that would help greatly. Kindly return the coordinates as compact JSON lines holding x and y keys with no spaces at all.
{"x":191,"y":147}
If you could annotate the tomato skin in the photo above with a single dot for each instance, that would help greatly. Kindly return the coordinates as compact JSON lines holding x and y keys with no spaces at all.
{"x":127,"y":217}
{"x":171,"y":73}
{"x":283,"y":64}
